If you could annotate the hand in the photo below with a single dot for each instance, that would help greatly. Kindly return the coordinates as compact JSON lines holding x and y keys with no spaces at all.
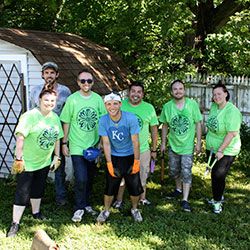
{"x":17,"y":167}
{"x":55,"y":164}
{"x":65,"y":150}
{"x":198,"y":148}
{"x":111,"y":169}
{"x":219,"y":155}
{"x":153,"y":155}
{"x":163,"y":148}
{"x":135,"y":167}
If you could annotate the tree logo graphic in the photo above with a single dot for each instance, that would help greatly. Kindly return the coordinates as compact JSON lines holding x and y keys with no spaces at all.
{"x":47,"y":138}
{"x":180,"y":124}
{"x":212,"y":123}
{"x":140,"y":121}
{"x":87,"y":119}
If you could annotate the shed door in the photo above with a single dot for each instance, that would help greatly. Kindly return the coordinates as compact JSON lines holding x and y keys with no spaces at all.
{"x":12,"y":105}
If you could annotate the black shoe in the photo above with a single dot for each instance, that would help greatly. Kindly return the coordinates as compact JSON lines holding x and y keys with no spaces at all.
{"x":38,"y":216}
{"x":61,"y":203}
{"x":185,"y":206}
{"x":14,"y":228}
{"x":174,"y":194}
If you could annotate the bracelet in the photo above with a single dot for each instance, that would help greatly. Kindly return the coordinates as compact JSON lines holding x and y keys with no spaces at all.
{"x":21,"y":159}
{"x":64,"y":143}
{"x":153,"y":151}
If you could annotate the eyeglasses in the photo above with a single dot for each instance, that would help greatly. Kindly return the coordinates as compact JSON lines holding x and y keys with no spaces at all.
{"x":89,"y":81}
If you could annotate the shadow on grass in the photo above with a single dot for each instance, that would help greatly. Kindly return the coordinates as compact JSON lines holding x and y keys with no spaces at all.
{"x":165,"y":226}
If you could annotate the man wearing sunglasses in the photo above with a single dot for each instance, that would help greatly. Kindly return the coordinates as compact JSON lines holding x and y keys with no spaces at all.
{"x":50,"y":75}
{"x":80,"y":117}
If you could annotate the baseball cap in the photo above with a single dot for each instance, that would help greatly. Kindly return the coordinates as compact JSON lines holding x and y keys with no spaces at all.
{"x":112,"y":97}
{"x":50,"y":65}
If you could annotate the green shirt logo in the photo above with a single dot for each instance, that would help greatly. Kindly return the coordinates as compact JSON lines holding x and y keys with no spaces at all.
{"x":180,"y":124}
{"x":87,"y":119}
{"x":140,"y":121}
{"x":47,"y":138}
{"x":212,"y":123}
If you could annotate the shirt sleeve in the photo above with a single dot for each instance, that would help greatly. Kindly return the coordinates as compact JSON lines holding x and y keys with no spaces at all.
{"x":24,"y":125}
{"x":154,"y":119}
{"x":134,"y":125}
{"x":66,"y":113}
{"x":163,"y":117}
{"x":102,"y":128}
{"x":197,"y":113}
{"x":233,"y":120}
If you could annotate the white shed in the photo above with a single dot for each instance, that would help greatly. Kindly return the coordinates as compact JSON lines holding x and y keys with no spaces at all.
{"x":23,"y":52}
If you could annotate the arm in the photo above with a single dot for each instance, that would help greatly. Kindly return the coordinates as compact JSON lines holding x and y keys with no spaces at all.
{"x":228,"y":138}
{"x":65,"y":149}
{"x":19,"y":146}
{"x":164,"y":136}
{"x":136,"y":146}
{"x":106,"y":148}
{"x":57,"y":148}
{"x":154,"y":137}
{"x":198,"y":138}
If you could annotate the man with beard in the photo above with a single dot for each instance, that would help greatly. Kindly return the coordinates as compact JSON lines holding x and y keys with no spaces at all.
{"x":181,"y":117}
{"x":148,"y":122}
{"x":50,"y":75}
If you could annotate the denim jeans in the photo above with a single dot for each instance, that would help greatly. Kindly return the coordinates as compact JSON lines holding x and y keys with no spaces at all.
{"x":60,"y":175}
{"x":84,"y":172}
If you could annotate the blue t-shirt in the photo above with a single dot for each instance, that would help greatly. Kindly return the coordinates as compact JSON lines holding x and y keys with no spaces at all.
{"x":119,"y":133}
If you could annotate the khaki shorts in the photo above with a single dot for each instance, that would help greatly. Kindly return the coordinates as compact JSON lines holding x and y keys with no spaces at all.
{"x":144,"y":166}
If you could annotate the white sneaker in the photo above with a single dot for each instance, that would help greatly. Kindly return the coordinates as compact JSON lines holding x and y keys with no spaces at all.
{"x":144,"y":202}
{"x":136,"y":215}
{"x":77,"y":217}
{"x":103,"y":216}
{"x":90,"y":210}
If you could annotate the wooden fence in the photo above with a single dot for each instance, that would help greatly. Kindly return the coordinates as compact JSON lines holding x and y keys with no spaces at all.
{"x":200,"y":88}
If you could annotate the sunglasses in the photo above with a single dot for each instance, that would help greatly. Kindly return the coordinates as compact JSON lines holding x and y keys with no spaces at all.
{"x":89,"y":81}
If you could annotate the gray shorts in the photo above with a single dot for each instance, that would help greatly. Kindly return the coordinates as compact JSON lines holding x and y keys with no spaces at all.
{"x":180,"y":166}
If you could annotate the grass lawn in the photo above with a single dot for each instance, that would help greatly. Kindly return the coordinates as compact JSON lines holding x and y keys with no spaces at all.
{"x":165,"y":226}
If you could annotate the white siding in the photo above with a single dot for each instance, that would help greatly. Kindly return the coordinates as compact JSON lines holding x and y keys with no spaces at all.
{"x":28,"y":65}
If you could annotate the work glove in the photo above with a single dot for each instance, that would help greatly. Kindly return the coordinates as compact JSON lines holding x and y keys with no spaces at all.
{"x":55,"y":164}
{"x":17,"y":167}
{"x":135,"y":167}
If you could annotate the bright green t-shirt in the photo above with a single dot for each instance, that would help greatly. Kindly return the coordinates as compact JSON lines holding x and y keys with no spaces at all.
{"x":219,"y":123}
{"x":41,"y":133}
{"x":82,"y":114}
{"x":181,"y":124}
{"x":146,"y":116}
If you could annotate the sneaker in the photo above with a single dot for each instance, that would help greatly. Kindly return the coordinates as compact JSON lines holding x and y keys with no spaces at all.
{"x":77,"y":217}
{"x":61,"y":203}
{"x":14,"y":228}
{"x":90,"y":210}
{"x":185,"y":206}
{"x":144,"y":202}
{"x":103,"y":216}
{"x":39,"y":216}
{"x":212,"y":201}
{"x":217,"y":207}
{"x":174,"y":194}
{"x":136,"y":215}
{"x":117,"y":204}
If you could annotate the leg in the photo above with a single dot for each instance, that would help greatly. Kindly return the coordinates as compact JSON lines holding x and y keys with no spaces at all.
{"x":144,"y":170}
{"x":107,"y":202}
{"x":91,"y":172}
{"x":186,"y":173}
{"x":80,"y":173}
{"x":60,"y":188}
{"x":37,"y":191}
{"x":219,"y":173}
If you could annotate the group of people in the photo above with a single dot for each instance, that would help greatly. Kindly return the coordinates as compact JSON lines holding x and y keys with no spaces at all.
{"x":124,"y":127}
